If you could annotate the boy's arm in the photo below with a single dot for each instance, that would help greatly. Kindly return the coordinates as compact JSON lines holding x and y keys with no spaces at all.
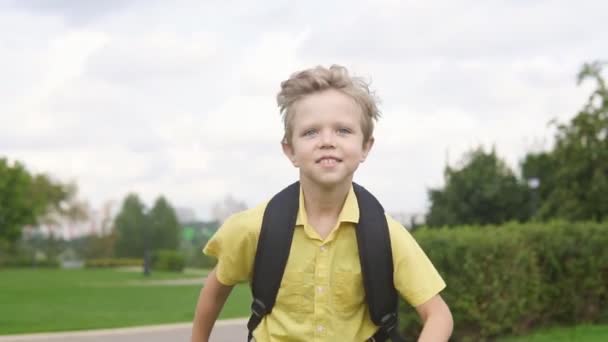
{"x":210,"y":302}
{"x":437,"y":320}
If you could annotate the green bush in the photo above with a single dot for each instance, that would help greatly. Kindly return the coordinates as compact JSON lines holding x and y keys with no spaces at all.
{"x":512,"y":278}
{"x":200,"y":260}
{"x":113,"y":262}
{"x":25,"y":261}
{"x":168,"y":260}
{"x":19,"y":258}
{"x":574,"y":260}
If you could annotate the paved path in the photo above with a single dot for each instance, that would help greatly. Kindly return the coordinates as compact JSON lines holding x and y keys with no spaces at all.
{"x":224,"y":331}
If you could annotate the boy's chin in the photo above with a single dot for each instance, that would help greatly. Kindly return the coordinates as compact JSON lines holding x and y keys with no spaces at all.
{"x":330,"y":182}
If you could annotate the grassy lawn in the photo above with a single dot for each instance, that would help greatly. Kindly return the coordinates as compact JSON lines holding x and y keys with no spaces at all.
{"x":586,"y":333}
{"x":55,"y":300}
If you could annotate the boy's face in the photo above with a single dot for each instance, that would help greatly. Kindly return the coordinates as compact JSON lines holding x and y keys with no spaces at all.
{"x":327,"y":140}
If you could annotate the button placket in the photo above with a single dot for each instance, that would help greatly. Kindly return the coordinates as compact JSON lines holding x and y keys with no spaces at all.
{"x":321,"y":330}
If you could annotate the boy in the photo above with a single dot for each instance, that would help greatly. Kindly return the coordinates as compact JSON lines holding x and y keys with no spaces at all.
{"x":328,"y":117}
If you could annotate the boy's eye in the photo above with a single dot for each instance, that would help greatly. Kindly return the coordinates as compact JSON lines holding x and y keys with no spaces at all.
{"x":344,"y":130}
{"x":309,"y":132}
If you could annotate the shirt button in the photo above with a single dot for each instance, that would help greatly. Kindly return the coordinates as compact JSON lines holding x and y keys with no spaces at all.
{"x":320,"y":328}
{"x":322,"y":248}
{"x":320,"y":289}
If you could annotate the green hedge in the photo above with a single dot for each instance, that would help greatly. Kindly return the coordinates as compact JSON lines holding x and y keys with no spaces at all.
{"x":113,"y":262}
{"x":23,"y":261}
{"x":168,"y":260}
{"x":517,"y":277}
{"x":200,"y":260}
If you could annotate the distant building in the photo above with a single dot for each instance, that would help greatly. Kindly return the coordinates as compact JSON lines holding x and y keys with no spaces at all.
{"x":185,"y":214}
{"x":223,"y":209}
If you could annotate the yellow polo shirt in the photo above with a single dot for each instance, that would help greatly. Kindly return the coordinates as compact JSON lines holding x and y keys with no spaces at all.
{"x":321,"y":297}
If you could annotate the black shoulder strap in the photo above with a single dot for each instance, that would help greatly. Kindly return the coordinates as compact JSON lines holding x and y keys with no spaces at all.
{"x":272,"y":252}
{"x":376,"y":258}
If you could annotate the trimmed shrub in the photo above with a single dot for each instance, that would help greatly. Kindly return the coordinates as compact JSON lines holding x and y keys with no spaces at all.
{"x":168,"y":260}
{"x":24,"y":261}
{"x":200,"y":260}
{"x":113,"y":262}
{"x":510,"y":279}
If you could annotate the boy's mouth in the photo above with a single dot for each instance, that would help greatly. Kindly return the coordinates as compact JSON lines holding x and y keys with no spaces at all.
{"x":328,"y":161}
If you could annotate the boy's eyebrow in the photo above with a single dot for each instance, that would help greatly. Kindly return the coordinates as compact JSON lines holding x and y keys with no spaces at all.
{"x":307,"y":126}
{"x":345,"y":123}
{"x":351,"y":125}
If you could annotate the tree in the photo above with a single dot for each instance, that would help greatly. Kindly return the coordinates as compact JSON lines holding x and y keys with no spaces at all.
{"x":483,"y":191}
{"x":164,"y":227}
{"x":130,"y":226}
{"x":95,"y":246}
{"x":538,"y":171}
{"x":17,"y":209}
{"x":62,"y":204}
{"x":577,"y":175}
{"x":30,"y":199}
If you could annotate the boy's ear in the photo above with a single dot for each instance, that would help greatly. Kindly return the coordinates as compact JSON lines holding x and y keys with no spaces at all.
{"x":366,"y":148}
{"x":288,"y":151}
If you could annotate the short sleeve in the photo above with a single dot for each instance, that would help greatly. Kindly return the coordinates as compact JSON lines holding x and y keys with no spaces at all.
{"x":415,"y":277}
{"x":234,"y":245}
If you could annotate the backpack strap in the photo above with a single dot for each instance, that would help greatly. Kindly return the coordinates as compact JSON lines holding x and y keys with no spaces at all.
{"x":272,"y":252}
{"x":376,"y":258}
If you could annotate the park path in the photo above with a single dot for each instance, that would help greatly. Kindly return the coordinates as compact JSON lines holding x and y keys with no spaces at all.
{"x":230,"y":330}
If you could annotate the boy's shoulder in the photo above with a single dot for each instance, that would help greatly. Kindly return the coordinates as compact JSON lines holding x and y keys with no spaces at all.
{"x":393,"y":224}
{"x":397,"y":231}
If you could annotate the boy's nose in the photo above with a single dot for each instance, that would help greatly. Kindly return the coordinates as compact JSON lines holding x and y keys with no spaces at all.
{"x":327,"y":139}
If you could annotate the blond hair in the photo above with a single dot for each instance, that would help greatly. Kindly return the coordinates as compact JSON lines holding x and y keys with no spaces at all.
{"x":318,"y":79}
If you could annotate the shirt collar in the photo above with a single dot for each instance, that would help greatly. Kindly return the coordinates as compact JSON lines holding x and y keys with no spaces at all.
{"x":349,"y":212}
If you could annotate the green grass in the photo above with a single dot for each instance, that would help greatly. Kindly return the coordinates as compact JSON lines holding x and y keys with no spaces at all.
{"x":56,"y":300}
{"x":586,"y":333}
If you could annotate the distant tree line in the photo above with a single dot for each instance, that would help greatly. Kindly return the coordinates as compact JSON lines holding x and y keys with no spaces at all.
{"x":30,"y":199}
{"x":138,"y":229}
{"x":568,"y":182}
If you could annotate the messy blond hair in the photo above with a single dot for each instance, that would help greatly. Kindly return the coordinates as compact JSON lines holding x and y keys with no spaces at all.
{"x":310,"y":81}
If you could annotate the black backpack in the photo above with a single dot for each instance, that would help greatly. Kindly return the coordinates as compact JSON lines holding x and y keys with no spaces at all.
{"x":375,"y":256}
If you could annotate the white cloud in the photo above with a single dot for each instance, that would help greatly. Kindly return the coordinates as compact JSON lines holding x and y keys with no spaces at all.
{"x":180,"y":100}
{"x":267,"y":63}
{"x":153,"y":57}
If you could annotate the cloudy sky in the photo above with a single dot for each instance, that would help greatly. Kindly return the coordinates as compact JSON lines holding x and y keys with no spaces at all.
{"x":178,"y":97}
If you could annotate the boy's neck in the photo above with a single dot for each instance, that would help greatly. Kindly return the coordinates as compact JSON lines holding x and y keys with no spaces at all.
{"x":323,"y":204}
